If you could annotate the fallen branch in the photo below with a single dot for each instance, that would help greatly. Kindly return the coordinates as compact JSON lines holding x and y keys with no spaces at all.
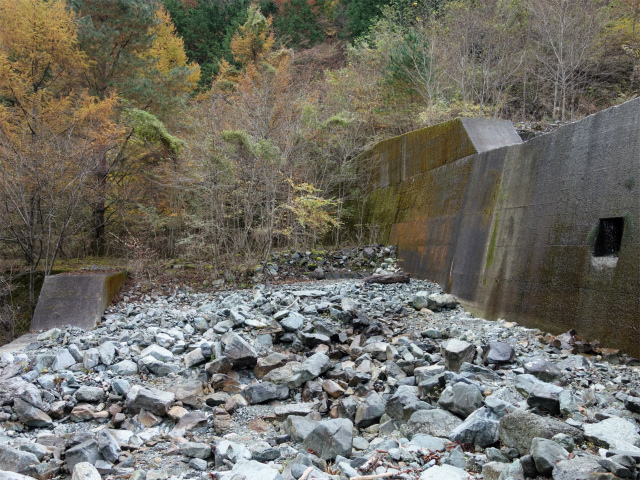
{"x":372,"y":477}
{"x":386,"y":279}
{"x":306,"y":473}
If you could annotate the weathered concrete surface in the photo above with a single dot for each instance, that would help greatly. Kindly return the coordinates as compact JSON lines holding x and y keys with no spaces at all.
{"x":78,"y":300}
{"x":511,"y":231}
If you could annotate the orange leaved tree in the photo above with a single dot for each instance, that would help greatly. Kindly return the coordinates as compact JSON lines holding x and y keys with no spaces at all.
{"x":52,"y":132}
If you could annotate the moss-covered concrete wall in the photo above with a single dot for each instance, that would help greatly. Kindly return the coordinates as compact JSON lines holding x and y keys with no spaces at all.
{"x":511,"y":230}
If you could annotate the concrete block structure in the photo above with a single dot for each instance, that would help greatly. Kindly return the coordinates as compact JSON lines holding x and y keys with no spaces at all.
{"x":545,"y":233}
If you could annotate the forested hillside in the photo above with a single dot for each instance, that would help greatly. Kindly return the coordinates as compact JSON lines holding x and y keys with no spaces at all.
{"x":218,"y":131}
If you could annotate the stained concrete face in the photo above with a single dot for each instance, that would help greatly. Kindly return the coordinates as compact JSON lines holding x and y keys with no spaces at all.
{"x":77,"y":300}
{"x":512,"y":231}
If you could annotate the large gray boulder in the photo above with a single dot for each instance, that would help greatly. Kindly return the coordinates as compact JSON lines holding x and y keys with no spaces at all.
{"x":542,"y":368}
{"x":108,"y":446}
{"x":250,"y":469}
{"x":436,"y":422}
{"x":264,"y":391}
{"x":83,"y":452}
{"x":312,"y":368}
{"x":461,"y":399}
{"x":578,"y":468}
{"x":30,"y":415}
{"x":298,"y":428}
{"x":14,"y":460}
{"x":369,"y":411}
{"x":455,"y":352}
{"x":546,"y":453}
{"x":85,"y":471}
{"x":498,"y":353}
{"x":518,"y":429}
{"x":480,"y":428}
{"x":152,"y":400}
{"x":444,"y":472}
{"x":331,"y":438}
{"x":89,"y":394}
{"x":613,"y":433}
{"x":13,"y":388}
{"x":238,"y":350}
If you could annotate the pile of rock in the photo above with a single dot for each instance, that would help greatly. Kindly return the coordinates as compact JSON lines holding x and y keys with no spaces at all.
{"x":331,"y":380}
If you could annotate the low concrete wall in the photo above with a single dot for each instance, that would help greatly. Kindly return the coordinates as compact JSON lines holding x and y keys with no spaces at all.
{"x":77,"y":300}
{"x":511,"y":230}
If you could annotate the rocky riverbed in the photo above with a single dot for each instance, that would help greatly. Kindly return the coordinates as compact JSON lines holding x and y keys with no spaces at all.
{"x":330,"y":379}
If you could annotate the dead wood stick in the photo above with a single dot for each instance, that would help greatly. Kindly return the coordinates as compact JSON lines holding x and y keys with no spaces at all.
{"x":306,"y":473}
{"x":386,"y":279}
{"x":372,"y":477}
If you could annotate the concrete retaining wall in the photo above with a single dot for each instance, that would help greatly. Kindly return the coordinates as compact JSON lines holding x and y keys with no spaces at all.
{"x":77,"y":300}
{"x":511,"y":230}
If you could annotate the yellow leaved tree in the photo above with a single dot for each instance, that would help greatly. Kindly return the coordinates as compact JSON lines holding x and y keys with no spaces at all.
{"x":53,"y":134}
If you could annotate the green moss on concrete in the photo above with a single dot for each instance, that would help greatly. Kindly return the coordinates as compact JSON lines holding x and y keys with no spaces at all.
{"x":381,"y":210}
{"x":113,"y":284}
{"x":492,"y":242}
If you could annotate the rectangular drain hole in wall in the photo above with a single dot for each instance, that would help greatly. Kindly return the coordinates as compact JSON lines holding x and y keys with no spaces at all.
{"x":609,"y":237}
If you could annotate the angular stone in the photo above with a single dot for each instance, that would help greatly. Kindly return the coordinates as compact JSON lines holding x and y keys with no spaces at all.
{"x":546,"y":453}
{"x":444,"y":472}
{"x":189,"y":422}
{"x":108,"y":446}
{"x":331,"y":438}
{"x":613,"y":433}
{"x":89,"y":394}
{"x":499,"y":353}
{"x":541,"y":368}
{"x":158,"y":367}
{"x":125,"y":368}
{"x":568,"y":403}
{"x":91,"y":358}
{"x":30,"y":415}
{"x":292,"y":322}
{"x":63,"y":360}
{"x":420,"y":300}
{"x":519,"y":428}
{"x":369,"y":411}
{"x":404,"y":396}
{"x":298,"y":428}
{"x":151,"y":399}
{"x":196,"y":450}
{"x":219,"y":365}
{"x":82,"y":412}
{"x":298,"y":409}
{"x":266,"y":364}
{"x":313,"y":339}
{"x":332,"y":388}
{"x":157,"y":352}
{"x":436,"y":422}
{"x":83,"y":452}
{"x":238,"y":350}
{"x":252,"y":469}
{"x":312,"y":368}
{"x":578,"y":468}
{"x":480,"y":428}
{"x":438,"y":301}
{"x":107,"y":351}
{"x":85,"y":471}
{"x":265,"y":391}
{"x":14,"y":460}
{"x":455,"y":353}
{"x":194,"y":358}
{"x":461,"y":399}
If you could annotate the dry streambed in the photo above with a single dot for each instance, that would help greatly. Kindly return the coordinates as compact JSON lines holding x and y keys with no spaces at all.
{"x":331,"y":379}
